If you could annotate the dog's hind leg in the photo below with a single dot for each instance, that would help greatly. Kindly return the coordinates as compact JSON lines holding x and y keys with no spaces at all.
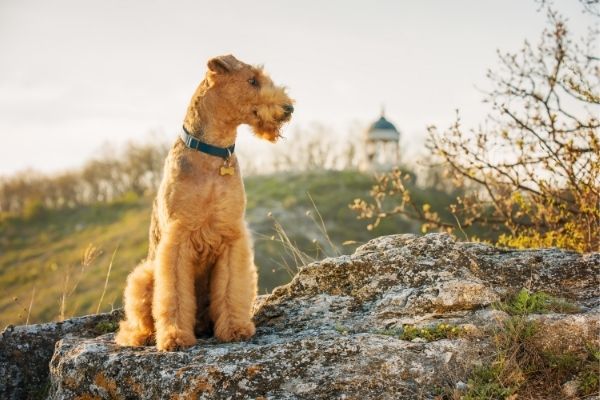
{"x":174,"y":301}
{"x":138,"y":327}
{"x":233,"y":290}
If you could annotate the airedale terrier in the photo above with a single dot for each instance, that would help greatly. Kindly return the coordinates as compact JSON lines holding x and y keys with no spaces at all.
{"x":199,"y":274}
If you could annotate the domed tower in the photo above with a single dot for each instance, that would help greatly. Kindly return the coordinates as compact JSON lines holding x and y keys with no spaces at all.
{"x":382,"y":145}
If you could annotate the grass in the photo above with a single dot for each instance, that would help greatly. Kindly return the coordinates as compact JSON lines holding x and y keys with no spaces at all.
{"x":526,"y":302}
{"x":427,"y":333}
{"x":484,"y":384}
{"x":70,"y":256}
{"x":64,"y":256}
{"x":112,"y":259}
{"x":524,"y":366}
{"x":341,"y":329}
{"x":106,"y":327}
{"x":431,"y":333}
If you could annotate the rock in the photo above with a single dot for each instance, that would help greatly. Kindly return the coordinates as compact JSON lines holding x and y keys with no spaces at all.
{"x":569,"y":389}
{"x":25,"y":352}
{"x":335,"y":330}
{"x":460,"y":385}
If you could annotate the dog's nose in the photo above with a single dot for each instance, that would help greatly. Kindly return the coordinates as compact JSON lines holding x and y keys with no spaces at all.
{"x":288,"y":108}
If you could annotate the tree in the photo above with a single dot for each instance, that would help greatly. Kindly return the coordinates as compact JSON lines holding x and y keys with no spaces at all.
{"x":534,"y":170}
{"x":316,"y":148}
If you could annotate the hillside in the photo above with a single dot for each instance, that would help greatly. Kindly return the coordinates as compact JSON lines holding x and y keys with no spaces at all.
{"x":45,"y":254}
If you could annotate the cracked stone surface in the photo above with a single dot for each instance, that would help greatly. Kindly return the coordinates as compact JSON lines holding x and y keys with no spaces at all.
{"x":25,"y":352}
{"x":327,"y":333}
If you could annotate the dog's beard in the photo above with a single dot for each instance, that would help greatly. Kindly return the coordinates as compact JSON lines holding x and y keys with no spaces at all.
{"x":269,"y":120}
{"x":270,"y":132}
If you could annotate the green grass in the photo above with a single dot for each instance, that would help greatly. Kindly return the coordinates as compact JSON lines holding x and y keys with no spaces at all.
{"x":427,"y":333}
{"x":484,"y":384}
{"x":526,"y":302}
{"x":106,"y":327}
{"x":431,"y":333}
{"x":45,"y":252}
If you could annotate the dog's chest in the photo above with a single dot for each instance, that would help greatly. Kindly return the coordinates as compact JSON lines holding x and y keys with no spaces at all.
{"x":218,"y":217}
{"x":204,"y":200}
{"x":225,"y":201}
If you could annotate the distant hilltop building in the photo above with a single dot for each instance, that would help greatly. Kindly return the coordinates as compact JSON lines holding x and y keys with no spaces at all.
{"x":382,"y":145}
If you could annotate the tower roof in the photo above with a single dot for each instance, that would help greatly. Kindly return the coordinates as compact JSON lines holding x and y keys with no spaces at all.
{"x":382,"y":129}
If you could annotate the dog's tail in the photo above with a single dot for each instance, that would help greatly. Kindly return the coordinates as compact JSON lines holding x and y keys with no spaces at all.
{"x":137,"y":329}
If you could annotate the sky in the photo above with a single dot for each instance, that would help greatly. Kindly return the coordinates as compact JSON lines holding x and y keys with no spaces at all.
{"x":78,"y":74}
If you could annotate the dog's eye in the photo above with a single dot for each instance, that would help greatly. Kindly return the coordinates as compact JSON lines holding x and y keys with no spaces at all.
{"x":253,"y":82}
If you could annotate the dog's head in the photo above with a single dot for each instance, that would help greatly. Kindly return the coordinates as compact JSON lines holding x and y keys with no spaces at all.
{"x":243,"y":94}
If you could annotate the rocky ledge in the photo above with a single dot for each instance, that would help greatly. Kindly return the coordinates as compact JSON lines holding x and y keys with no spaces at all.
{"x":335,"y":331}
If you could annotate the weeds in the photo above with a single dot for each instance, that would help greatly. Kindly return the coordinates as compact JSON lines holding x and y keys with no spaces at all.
{"x":526,"y":302}
{"x":341,"y":329}
{"x":321,"y":225}
{"x":292,"y":250}
{"x":589,"y":375}
{"x":89,"y":256}
{"x":484,"y":384}
{"x":427,"y":333}
{"x":431,"y":333}
{"x":523,"y":366}
{"x":389,"y":332}
{"x":112,"y":259}
{"x":106,"y":327}
{"x":300,"y":258}
{"x":30,"y":306}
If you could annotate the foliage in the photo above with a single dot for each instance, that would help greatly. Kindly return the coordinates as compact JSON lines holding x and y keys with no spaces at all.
{"x":106,"y":327}
{"x":431,"y":333}
{"x":315,"y":148}
{"x":427,"y":333}
{"x":33,"y":209}
{"x":115,"y":175}
{"x":532,"y":173}
{"x":484,"y":384}
{"x":589,"y":377}
{"x":341,"y":329}
{"x":526,"y":302}
{"x":524,"y":365}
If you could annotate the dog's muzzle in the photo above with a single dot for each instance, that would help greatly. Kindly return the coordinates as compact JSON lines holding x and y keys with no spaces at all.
{"x":288,"y":109}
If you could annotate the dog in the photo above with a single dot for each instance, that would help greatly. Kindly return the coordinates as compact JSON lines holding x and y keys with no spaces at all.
{"x":199,"y":275}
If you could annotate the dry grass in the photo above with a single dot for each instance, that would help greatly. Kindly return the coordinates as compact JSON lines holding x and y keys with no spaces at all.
{"x":534,"y":360}
{"x":30,"y":306}
{"x":112,"y":259}
{"x":90,"y":254}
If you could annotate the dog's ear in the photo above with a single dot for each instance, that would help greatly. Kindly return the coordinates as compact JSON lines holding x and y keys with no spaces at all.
{"x":223,"y":64}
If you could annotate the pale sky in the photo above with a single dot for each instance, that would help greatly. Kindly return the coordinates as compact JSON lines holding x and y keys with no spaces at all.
{"x":75,"y":74}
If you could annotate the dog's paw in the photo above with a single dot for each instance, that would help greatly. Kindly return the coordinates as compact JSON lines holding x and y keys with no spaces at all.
{"x":128,"y":336}
{"x":175,"y":339}
{"x":235,"y":332}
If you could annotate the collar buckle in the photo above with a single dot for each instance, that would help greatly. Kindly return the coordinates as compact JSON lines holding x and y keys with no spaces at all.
{"x":188,"y":140}
{"x":194,"y":143}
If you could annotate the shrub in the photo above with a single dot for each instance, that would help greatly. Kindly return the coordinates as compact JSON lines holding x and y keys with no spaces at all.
{"x":533,"y":172}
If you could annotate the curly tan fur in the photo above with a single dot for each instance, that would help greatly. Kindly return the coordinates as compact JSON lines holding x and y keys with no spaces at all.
{"x":200,"y":273}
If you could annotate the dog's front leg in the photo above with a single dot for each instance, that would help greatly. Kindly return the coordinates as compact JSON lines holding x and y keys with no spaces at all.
{"x":174,"y":301}
{"x":233,"y":290}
